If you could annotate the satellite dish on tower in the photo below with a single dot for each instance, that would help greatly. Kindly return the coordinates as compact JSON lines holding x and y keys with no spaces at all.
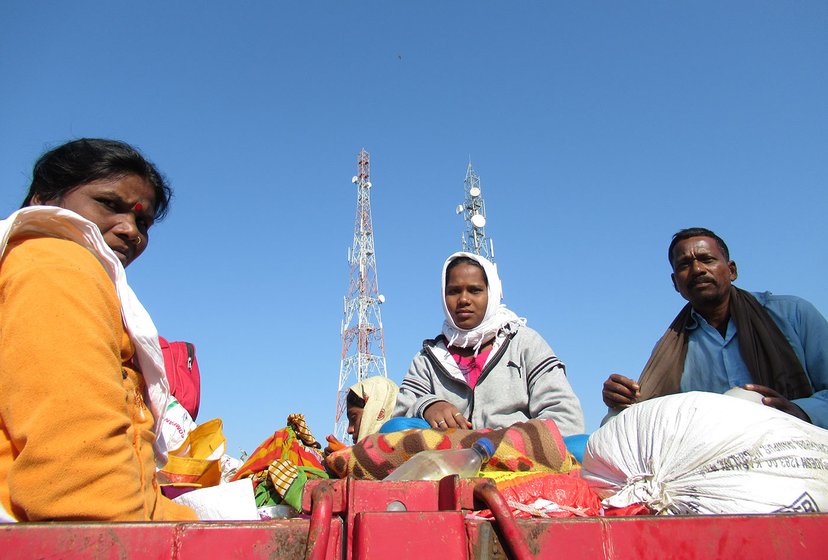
{"x":354,"y":179}
{"x":478,"y":220}
{"x":368,"y":184}
{"x":381,"y":298}
{"x":474,"y":191}
{"x":459,"y":209}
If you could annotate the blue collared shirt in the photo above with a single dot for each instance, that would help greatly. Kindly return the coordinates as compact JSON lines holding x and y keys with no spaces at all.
{"x":715,"y":364}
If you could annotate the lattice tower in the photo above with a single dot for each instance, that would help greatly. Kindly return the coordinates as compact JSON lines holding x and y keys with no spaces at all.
{"x":363,"y":345}
{"x":474,"y":214}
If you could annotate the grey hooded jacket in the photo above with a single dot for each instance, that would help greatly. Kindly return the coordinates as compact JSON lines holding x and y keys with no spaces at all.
{"x":522,"y":379}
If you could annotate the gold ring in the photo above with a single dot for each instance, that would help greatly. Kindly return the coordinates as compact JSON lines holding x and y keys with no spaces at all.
{"x":138,"y":242}
{"x":458,"y":414}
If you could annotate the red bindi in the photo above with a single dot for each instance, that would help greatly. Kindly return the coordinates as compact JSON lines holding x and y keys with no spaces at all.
{"x":138,"y":207}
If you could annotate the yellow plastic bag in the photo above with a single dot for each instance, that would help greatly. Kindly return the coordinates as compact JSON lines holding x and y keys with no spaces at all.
{"x":196,"y":462}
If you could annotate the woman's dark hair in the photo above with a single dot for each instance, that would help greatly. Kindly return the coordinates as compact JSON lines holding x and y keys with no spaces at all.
{"x":466,"y":260}
{"x":92,"y":159}
{"x":354,"y":400}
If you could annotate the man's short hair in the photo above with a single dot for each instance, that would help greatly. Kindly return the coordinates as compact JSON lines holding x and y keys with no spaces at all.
{"x":687,"y":233}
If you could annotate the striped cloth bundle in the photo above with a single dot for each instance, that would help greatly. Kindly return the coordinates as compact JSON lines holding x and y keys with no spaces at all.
{"x":282,"y":464}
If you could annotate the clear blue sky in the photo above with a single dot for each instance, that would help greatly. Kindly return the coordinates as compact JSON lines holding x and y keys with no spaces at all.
{"x":598,"y":129}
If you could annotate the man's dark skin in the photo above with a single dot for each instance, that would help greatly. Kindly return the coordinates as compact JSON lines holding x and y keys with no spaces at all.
{"x":702,"y":274}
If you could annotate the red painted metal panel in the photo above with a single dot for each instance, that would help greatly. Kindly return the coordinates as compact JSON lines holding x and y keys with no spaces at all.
{"x":275,"y":540}
{"x":418,"y":535}
{"x":800,"y":537}
{"x":755,"y":537}
{"x":284,"y":539}
{"x":357,"y":496}
{"x":87,"y":541}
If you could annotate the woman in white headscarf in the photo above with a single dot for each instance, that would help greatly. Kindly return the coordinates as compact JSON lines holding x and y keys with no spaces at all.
{"x":369,"y":405}
{"x":487,"y":369}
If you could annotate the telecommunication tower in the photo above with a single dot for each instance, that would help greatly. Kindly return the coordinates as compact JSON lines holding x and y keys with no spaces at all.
{"x":362,"y":323}
{"x":474,"y":214}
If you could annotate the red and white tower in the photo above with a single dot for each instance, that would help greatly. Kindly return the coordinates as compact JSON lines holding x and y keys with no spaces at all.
{"x":474,"y":238}
{"x":363,"y":345}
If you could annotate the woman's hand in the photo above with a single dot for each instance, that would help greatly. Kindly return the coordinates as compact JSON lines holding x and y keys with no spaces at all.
{"x":443,"y":415}
{"x":333,"y":445}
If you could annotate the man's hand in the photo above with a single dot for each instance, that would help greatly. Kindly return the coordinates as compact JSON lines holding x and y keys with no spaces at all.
{"x":620,"y":392}
{"x":777,"y":401}
{"x":443,"y":415}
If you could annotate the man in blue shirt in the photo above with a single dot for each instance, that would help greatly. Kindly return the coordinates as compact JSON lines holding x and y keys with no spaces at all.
{"x":725,"y":337}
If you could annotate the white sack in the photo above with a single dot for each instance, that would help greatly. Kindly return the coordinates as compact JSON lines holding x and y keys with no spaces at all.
{"x":708,"y":453}
{"x":233,"y":501}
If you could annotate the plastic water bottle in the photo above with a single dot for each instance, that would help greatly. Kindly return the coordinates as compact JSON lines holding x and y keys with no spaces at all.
{"x":434,"y":465}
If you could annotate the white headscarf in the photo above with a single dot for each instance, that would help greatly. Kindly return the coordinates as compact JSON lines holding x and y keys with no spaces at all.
{"x":64,"y":224}
{"x":497,"y":314}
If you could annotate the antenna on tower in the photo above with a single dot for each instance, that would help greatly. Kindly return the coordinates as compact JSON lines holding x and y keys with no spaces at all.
{"x":362,"y":321}
{"x":474,"y":214}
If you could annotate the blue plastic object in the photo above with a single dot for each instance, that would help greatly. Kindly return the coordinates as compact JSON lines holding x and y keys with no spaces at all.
{"x":401,"y":423}
{"x":577,"y":445}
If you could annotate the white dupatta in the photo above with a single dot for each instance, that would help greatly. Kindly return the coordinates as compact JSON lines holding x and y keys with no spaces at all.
{"x":497,"y":314}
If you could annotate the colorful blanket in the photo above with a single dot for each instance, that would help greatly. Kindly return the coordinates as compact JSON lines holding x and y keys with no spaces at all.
{"x":533,"y":446}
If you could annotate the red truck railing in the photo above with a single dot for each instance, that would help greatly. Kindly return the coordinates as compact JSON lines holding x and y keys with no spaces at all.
{"x":352,"y":519}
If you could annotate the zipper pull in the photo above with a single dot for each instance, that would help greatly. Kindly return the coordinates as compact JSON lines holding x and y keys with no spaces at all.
{"x":190,"y":355}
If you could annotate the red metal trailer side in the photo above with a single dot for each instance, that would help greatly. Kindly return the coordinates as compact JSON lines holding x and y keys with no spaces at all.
{"x":426,"y":520}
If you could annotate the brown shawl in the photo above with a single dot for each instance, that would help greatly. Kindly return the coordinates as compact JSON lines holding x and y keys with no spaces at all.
{"x":767,"y":353}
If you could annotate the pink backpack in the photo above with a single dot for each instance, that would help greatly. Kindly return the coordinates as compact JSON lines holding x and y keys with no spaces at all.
{"x":182,"y":373}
